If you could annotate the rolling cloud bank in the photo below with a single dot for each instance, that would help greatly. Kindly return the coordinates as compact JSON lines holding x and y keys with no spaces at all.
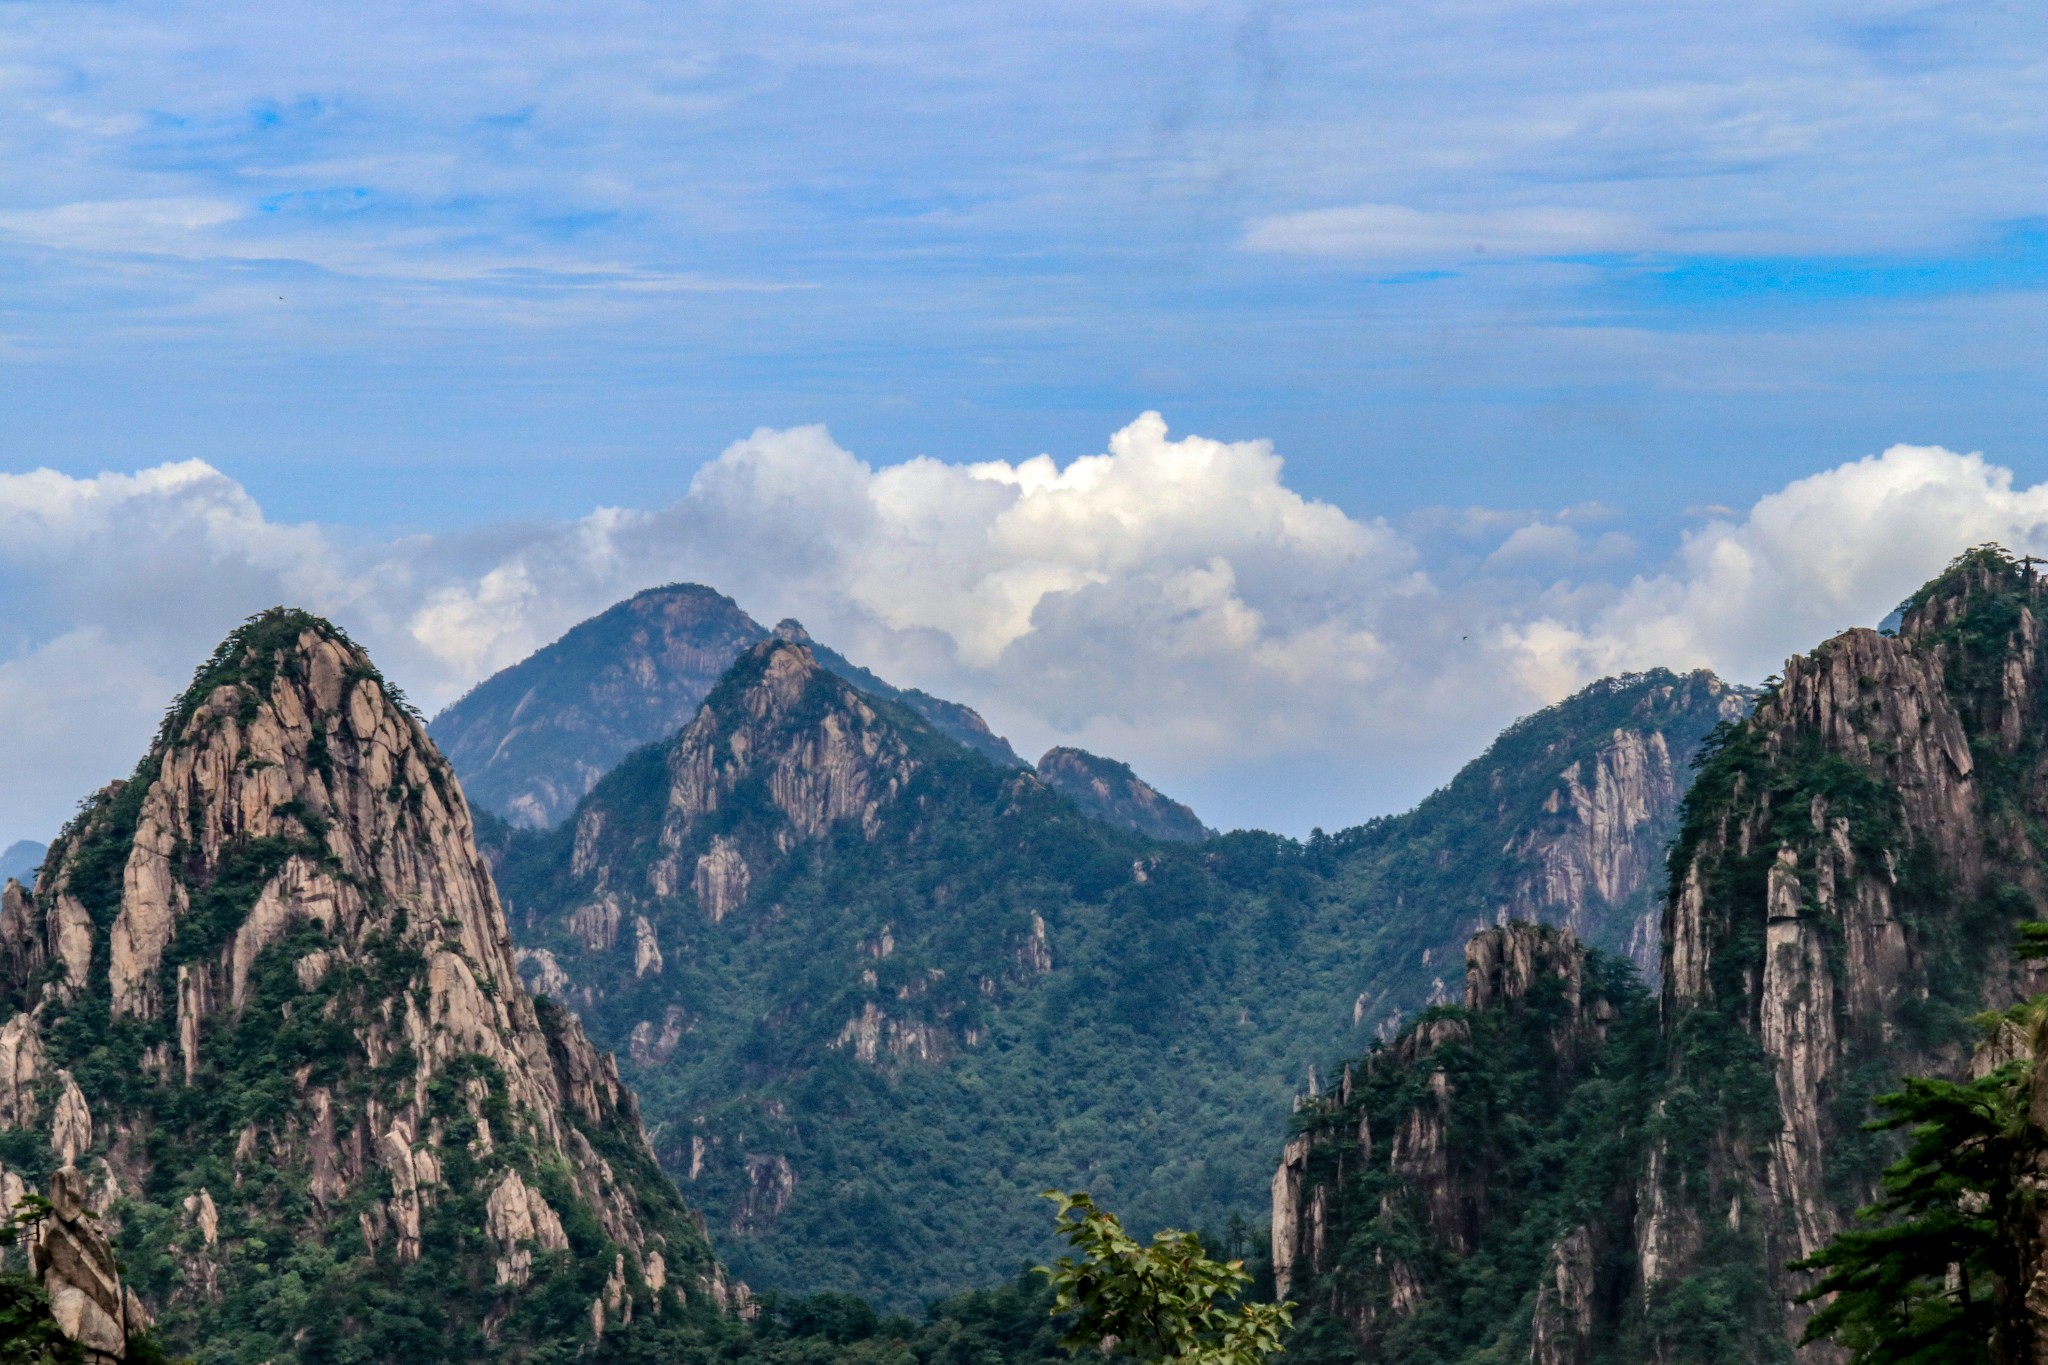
{"x":1275,"y":660}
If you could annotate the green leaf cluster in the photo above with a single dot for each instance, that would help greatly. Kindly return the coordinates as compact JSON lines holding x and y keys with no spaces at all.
{"x":1166,"y":1301}
{"x":1918,"y":1281}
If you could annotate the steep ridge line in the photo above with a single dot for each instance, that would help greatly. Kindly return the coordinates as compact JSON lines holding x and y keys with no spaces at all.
{"x":531,"y":740}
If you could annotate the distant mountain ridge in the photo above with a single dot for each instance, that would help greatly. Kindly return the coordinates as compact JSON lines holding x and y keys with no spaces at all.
{"x":21,"y":859}
{"x":1111,"y":792}
{"x":529,"y":741}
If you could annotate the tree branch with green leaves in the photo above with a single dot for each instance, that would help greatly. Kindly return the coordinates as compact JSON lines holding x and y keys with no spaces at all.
{"x":1165,"y":1301}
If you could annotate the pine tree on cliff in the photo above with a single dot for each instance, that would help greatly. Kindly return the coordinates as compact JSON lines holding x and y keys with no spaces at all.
{"x":1940,"y":1268}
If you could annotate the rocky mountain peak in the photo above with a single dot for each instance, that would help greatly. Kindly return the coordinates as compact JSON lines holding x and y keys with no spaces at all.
{"x":814,"y":751}
{"x":1504,"y":964}
{"x":1111,"y":792}
{"x":530,"y":741}
{"x":961,"y":724}
{"x":276,"y":951}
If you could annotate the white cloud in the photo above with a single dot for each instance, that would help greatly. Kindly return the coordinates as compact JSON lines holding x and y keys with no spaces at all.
{"x":1834,"y":550}
{"x":1554,"y":545}
{"x":1397,"y":234}
{"x":1171,"y":601}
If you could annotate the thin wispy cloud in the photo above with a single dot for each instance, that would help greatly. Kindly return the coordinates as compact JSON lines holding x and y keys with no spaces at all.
{"x":1397,"y":234}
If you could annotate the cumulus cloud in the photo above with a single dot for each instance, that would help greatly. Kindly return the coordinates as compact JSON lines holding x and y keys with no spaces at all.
{"x":1830,"y":551}
{"x":1277,"y":660}
{"x":1555,"y":545}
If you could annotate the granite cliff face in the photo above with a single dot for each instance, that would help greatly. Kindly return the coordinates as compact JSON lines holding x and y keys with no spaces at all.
{"x":69,"y":1256}
{"x":1594,"y":859}
{"x":961,"y":724}
{"x":1417,"y":1191}
{"x":263,"y":1011}
{"x":1112,"y":793}
{"x":1564,"y":820}
{"x":1853,"y":864}
{"x":793,"y":755}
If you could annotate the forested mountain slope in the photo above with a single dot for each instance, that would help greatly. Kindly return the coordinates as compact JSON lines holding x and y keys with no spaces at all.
{"x":263,"y":1006}
{"x":1443,"y":1200}
{"x":1854,"y":860}
{"x":876,"y":991}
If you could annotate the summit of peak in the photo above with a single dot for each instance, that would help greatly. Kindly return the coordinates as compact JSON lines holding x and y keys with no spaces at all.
{"x":1108,"y":790}
{"x":1977,"y":576}
{"x":792,"y":630}
{"x":280,"y":642}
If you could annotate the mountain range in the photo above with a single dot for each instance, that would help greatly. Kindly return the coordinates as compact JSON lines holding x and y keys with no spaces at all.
{"x":531,"y":740}
{"x":20,"y":860}
{"x":876,"y":990}
{"x":324,"y":1061}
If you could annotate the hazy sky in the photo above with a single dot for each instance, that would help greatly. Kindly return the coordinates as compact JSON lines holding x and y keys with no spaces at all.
{"x":1537,"y":302}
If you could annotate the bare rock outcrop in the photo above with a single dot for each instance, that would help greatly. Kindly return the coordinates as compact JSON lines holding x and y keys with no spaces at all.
{"x":1561,"y":1327}
{"x":521,"y":1221}
{"x":1109,"y":791}
{"x":720,"y":881}
{"x":841,"y":770}
{"x":22,"y":949}
{"x":71,"y":1257}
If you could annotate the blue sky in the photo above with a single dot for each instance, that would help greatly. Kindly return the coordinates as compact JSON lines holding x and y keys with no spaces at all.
{"x":359,"y":258}
{"x":444,"y":279}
